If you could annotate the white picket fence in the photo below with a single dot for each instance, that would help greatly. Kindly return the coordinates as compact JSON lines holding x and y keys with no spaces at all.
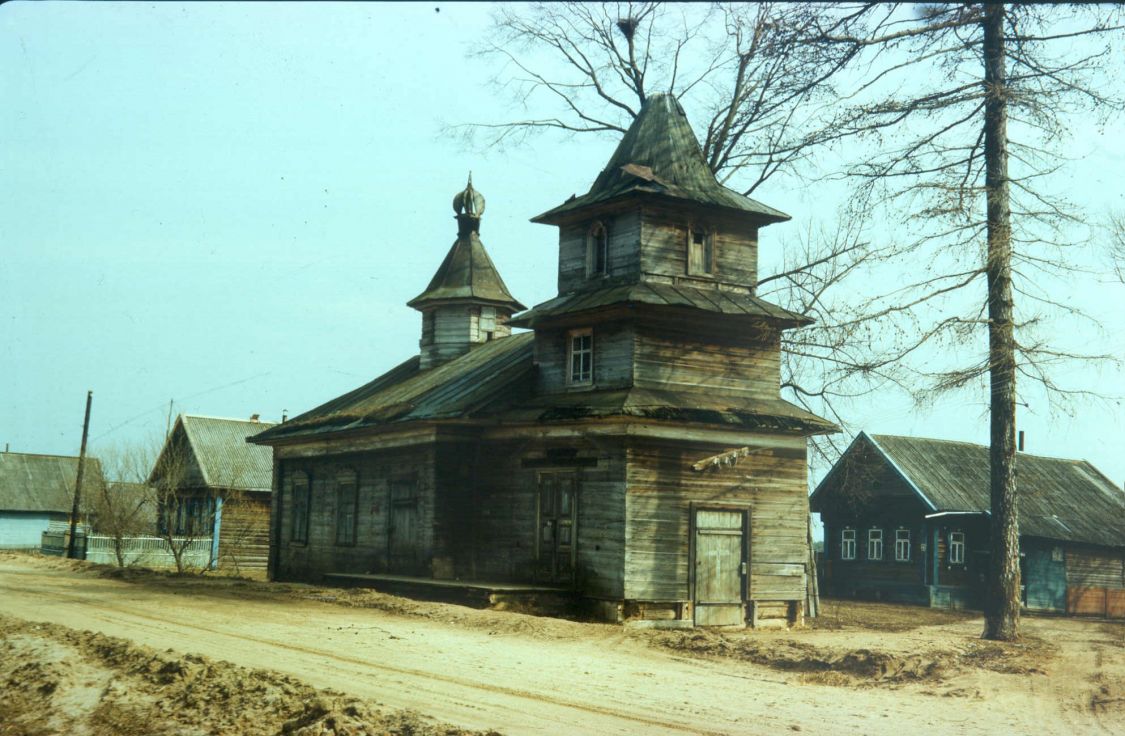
{"x":148,"y":551}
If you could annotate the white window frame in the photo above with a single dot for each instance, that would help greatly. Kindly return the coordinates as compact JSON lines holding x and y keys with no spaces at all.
{"x":956,"y":548}
{"x":579,"y":377}
{"x":847,"y":544}
{"x":707,"y":251}
{"x":902,"y":545}
{"x":597,"y":239}
{"x":874,"y":544}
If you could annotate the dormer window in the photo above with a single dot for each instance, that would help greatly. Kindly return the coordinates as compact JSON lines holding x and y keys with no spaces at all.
{"x":597,"y":250}
{"x":580,"y":357}
{"x":701,"y":251}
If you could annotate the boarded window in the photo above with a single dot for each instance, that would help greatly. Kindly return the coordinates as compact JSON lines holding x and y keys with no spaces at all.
{"x":580,"y":356}
{"x":597,"y":250}
{"x":847,"y":544}
{"x":902,"y":545}
{"x":874,"y":544}
{"x":957,"y":548}
{"x":487,"y":323}
{"x":299,"y":531}
{"x":701,"y":255}
{"x":347,"y":498}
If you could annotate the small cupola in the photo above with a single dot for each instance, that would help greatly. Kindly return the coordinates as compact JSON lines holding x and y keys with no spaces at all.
{"x":466,"y":303}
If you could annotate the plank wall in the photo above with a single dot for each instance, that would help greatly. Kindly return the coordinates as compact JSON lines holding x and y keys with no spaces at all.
{"x":508,"y":512}
{"x":244,"y":532}
{"x":664,"y":252}
{"x":680,"y":359}
{"x":375,"y":471}
{"x":662,"y":487}
{"x":613,"y":358}
{"x":624,"y":230}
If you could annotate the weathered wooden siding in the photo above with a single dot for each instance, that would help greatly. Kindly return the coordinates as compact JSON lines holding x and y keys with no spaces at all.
{"x":375,"y":473}
{"x":662,"y":487}
{"x":614,"y":346}
{"x":1095,"y":582}
{"x":664,"y":253}
{"x":244,"y":532}
{"x":507,"y":508}
{"x":624,"y":231}
{"x":680,"y":359}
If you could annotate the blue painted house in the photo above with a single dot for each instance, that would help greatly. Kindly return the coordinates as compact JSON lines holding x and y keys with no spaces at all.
{"x":36,"y":490}
{"x":906,"y":519}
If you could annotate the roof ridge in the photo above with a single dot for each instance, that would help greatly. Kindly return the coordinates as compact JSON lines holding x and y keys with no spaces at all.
{"x":984,"y":447}
{"x":226,"y":419}
{"x":40,"y":454}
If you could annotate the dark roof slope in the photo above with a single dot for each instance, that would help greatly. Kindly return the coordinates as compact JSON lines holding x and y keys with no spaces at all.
{"x":467,"y":273}
{"x":43,"y":483}
{"x":661,"y":295}
{"x":452,"y":390}
{"x":1060,"y":499}
{"x":660,"y":155}
{"x":223,"y":457}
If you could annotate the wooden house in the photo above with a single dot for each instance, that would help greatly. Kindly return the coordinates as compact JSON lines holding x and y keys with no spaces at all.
{"x":906,"y":519}
{"x":36,"y":490}
{"x":218,"y":486}
{"x":631,"y":447}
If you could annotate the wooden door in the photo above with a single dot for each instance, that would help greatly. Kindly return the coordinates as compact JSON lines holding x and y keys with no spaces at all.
{"x":404,"y":535}
{"x":720,"y":567}
{"x":556,"y":535}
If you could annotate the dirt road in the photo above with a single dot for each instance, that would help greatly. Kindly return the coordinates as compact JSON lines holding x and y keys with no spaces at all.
{"x":527,"y":676}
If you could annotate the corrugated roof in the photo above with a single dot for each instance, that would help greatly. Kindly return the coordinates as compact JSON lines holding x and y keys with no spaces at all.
{"x":43,"y":482}
{"x":455,"y":389}
{"x":1060,"y":499}
{"x":717,"y":300}
{"x":224,"y":458}
{"x":660,"y":155}
{"x":467,"y":273}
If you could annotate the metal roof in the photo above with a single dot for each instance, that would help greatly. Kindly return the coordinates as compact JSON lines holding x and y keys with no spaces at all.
{"x":723,"y":301}
{"x":660,"y":155}
{"x":407,"y":393}
{"x":39,"y":483}
{"x":1061,"y":499}
{"x":224,"y":459}
{"x":467,"y":273}
{"x":494,"y":380}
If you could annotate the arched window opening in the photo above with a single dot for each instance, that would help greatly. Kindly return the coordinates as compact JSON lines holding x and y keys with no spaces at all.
{"x":597,"y":250}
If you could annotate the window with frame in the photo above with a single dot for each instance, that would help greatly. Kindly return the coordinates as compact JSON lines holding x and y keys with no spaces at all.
{"x":347,"y":499}
{"x":580,"y":357}
{"x":597,"y":250}
{"x":874,"y":544}
{"x":701,"y":251}
{"x":299,"y":528}
{"x":957,"y":548}
{"x":847,"y":544}
{"x":902,"y":545}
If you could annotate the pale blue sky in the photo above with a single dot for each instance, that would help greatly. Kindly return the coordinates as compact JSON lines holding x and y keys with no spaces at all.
{"x":229,"y":205}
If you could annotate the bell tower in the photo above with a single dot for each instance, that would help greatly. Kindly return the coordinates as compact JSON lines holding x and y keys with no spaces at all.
{"x":466,"y":303}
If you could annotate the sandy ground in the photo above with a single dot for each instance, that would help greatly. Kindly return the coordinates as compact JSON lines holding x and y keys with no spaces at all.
{"x":864,"y":668}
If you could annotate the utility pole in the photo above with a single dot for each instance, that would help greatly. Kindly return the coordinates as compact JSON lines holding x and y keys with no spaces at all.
{"x":78,"y":483}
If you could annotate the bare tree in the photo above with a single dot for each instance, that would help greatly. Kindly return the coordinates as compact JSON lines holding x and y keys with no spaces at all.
{"x":965,"y":104}
{"x":122,"y":506}
{"x":185,"y":507}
